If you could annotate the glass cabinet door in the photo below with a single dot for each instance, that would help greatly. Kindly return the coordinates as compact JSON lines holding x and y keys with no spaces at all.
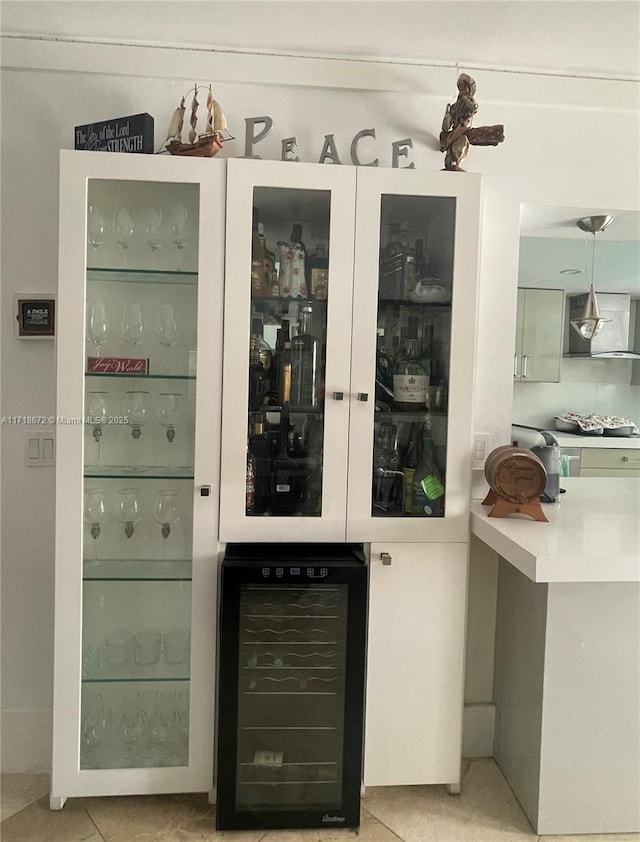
{"x":288,"y":282}
{"x":412,"y":291}
{"x":138,"y":350}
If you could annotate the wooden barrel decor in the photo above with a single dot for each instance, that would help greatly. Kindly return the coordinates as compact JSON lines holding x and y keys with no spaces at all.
{"x":516,"y":480}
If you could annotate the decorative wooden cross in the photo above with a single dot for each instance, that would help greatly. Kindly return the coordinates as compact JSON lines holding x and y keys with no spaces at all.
{"x":457,"y":135}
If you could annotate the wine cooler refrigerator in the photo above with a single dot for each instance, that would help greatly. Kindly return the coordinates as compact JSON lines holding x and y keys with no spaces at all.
{"x":291,"y":686}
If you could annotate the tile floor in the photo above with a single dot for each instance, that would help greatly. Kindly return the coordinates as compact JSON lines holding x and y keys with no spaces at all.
{"x":486,"y":811}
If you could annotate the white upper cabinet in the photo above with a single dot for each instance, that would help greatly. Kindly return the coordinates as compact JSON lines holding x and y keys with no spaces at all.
{"x":350,"y":312}
{"x":539,"y":334}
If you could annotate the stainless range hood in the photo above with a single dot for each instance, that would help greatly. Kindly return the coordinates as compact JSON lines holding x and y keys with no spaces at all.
{"x":613,"y":341}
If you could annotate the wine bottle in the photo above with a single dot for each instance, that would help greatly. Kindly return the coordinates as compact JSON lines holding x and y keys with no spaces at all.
{"x":410,"y":380}
{"x":428,"y":488}
{"x":250,"y":483}
{"x":410,"y":462}
{"x":390,"y":283}
{"x":284,"y":497}
{"x":257,"y":380}
{"x":319,"y":273}
{"x":421,"y":259}
{"x":269,"y":262}
{"x":260,"y":449}
{"x":305,"y":363}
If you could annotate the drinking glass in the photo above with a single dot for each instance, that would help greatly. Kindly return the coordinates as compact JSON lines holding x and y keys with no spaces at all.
{"x":178,"y":218}
{"x":167,"y":326}
{"x":152,"y":224}
{"x":132,"y":324}
{"x":95,"y":227}
{"x":97,"y":324}
{"x":177,"y":646}
{"x":135,"y":411}
{"x":95,"y":513}
{"x":166,"y":511}
{"x":168,"y":411}
{"x":162,"y":729}
{"x":129,"y":511}
{"x":96,"y":409}
{"x":124,"y":229}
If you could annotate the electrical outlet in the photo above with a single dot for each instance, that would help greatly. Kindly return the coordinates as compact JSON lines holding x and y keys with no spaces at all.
{"x":481,"y":449}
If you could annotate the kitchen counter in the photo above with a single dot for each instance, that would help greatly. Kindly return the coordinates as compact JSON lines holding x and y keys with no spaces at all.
{"x":593,"y":534}
{"x":567,"y":656}
{"x":569,"y":440}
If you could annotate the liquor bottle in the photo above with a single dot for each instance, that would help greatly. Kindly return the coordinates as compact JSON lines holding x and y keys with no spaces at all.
{"x":293,"y":265}
{"x":312,"y":483}
{"x":257,"y":380}
{"x":409,"y":275}
{"x":421,"y":259}
{"x":260,"y":449}
{"x":410,"y":380}
{"x":305,"y":363}
{"x":269,"y":262}
{"x":250,"y":483}
{"x":284,"y":373}
{"x":319,"y":273}
{"x":284,"y":489}
{"x":410,"y":462}
{"x":390,"y":283}
{"x":428,"y":488}
{"x":259,"y":278}
{"x":384,"y":374}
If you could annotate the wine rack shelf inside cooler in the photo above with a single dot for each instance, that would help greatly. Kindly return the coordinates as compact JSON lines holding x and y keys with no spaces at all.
{"x":137,"y":570}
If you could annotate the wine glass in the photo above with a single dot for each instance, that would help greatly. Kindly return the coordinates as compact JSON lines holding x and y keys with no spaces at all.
{"x":96,"y":728}
{"x":166,"y":511}
{"x":95,"y":513}
{"x":97,"y":415}
{"x":152,"y":225}
{"x":168,"y":411}
{"x":124,"y":229}
{"x":178,"y":217}
{"x":167,"y":326}
{"x":162,"y":729}
{"x":129,"y":511}
{"x":132,"y":324}
{"x":131,"y":724}
{"x":95,"y":227}
{"x":97,"y":324}
{"x":135,"y":411}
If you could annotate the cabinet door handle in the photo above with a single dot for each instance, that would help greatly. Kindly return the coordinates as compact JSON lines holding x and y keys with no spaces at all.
{"x":516,"y":372}
{"x":338,"y":396}
{"x":363,"y":396}
{"x":525,"y":365}
{"x":632,"y":462}
{"x":205,"y":490}
{"x":385,"y":558}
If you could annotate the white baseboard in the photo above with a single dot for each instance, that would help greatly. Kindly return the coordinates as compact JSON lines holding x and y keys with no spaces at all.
{"x":26,"y":741}
{"x":478,"y":726}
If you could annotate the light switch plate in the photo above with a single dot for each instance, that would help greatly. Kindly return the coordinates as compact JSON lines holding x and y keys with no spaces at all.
{"x":481,"y":449}
{"x":39,"y":450}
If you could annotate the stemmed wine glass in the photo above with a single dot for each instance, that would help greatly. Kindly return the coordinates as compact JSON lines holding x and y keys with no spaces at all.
{"x":178,"y":218}
{"x":135,"y":410}
{"x":152,"y":224}
{"x":131,"y":724}
{"x":124,"y":230}
{"x":132,"y":324}
{"x":95,"y":513}
{"x":129,"y":511}
{"x":95,"y":227}
{"x":96,"y":728}
{"x":97,"y":324}
{"x":167,"y":325}
{"x":168,"y":411}
{"x":97,"y":415}
{"x":166,"y":511}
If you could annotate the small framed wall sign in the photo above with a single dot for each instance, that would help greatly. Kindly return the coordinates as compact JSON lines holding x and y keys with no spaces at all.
{"x":35,"y":315}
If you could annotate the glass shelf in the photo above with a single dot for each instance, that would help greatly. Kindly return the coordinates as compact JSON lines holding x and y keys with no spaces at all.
{"x":142,"y":376}
{"x":141,"y":276}
{"x":147,"y":472}
{"x":137,"y":570}
{"x":405,"y":302}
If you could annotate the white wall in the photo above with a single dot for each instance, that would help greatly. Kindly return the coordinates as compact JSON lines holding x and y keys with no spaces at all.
{"x":569,"y":141}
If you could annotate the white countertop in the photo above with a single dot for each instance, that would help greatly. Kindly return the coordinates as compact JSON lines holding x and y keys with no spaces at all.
{"x":568,"y":440}
{"x":593,"y":534}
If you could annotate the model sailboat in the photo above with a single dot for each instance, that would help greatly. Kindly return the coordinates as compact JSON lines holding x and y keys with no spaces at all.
{"x":206,"y":143}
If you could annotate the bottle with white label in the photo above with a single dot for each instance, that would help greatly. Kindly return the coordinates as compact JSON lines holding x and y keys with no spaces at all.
{"x":410,"y":380}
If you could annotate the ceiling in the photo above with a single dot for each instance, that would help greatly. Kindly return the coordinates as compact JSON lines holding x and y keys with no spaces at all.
{"x":567,"y":36}
{"x":550,"y":242}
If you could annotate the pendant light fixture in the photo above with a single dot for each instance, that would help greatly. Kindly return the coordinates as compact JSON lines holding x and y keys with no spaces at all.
{"x":590,"y":323}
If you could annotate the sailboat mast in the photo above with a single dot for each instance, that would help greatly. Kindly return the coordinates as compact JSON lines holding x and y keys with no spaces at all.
{"x":194,"y":116}
{"x":209,"y":129}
